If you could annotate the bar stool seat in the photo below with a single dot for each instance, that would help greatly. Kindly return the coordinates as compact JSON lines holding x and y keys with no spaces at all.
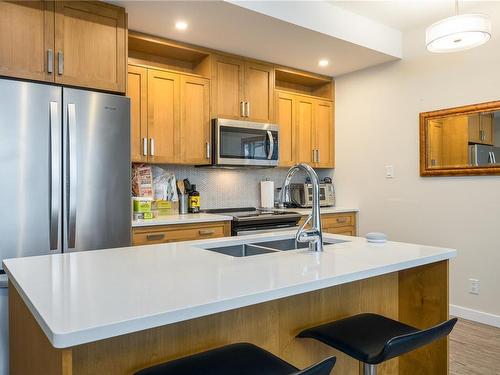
{"x":373,"y":339}
{"x":241,"y":359}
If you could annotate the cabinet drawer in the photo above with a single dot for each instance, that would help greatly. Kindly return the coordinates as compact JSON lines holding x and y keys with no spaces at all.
{"x":338,"y":220}
{"x":346,"y":231}
{"x":176,"y":233}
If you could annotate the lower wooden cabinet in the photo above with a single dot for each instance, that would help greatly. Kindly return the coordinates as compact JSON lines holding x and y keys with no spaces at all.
{"x":342,"y":223}
{"x":179,"y":232}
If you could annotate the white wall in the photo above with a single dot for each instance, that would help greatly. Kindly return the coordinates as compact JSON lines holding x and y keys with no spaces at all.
{"x":377,"y":124}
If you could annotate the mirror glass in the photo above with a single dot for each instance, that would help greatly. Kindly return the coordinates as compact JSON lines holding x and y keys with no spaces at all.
{"x":463,"y":140}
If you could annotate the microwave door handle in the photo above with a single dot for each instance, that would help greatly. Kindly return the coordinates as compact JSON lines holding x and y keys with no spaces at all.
{"x":271,"y":145}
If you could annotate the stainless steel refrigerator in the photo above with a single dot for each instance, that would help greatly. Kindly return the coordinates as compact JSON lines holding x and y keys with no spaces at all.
{"x":483,"y":155}
{"x":65,"y":175}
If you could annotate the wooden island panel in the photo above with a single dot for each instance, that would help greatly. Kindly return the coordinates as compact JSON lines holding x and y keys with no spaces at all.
{"x":418,"y":296}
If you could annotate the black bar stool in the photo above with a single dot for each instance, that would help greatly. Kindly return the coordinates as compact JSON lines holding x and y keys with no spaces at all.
{"x":373,"y":339}
{"x":241,"y":359}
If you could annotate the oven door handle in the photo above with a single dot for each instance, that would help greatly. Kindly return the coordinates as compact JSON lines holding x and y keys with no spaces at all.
{"x":271,"y":145}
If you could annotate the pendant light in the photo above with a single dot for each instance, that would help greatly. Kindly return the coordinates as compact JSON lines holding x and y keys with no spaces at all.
{"x":458,"y":33}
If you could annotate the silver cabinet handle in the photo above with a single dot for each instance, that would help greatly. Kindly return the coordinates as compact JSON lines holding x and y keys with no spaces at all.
{"x":207,"y":145}
{"x":152,"y":147}
{"x":155,"y":237}
{"x":206,"y":232}
{"x":72,"y":172}
{"x":50,"y":61}
{"x":60,"y":63}
{"x":144,"y":146}
{"x":271,"y":145}
{"x":314,"y":156}
{"x":242,"y":109}
{"x":55,"y":179}
{"x":247,"y":113}
{"x":318,"y":157}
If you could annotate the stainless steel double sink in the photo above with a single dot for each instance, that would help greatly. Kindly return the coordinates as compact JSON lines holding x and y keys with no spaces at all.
{"x":265,"y":247}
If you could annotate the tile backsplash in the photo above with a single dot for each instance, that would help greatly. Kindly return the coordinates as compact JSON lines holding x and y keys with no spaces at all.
{"x":223,"y":188}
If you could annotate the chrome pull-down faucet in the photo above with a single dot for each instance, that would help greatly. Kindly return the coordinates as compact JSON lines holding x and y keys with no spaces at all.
{"x":314,"y":235}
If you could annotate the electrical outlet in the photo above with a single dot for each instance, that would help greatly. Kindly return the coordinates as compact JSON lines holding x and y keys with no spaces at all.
{"x":474,"y":286}
{"x":389,"y":171}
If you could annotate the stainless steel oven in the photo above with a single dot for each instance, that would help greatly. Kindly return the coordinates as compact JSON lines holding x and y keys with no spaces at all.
{"x":245,"y":143}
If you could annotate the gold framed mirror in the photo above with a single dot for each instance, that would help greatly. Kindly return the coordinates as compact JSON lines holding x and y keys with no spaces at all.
{"x":461,"y":141}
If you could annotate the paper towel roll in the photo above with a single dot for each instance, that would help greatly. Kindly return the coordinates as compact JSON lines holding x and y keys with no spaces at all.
{"x":267,"y":194}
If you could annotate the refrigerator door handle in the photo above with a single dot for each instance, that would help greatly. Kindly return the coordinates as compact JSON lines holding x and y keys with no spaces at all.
{"x":55,"y":179}
{"x":72,"y":173}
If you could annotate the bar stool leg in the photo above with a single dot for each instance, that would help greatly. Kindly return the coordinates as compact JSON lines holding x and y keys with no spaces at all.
{"x":367,"y":369}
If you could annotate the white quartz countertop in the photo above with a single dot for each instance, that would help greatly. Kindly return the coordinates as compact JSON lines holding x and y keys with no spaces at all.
{"x":181,"y":219}
{"x":88,"y":296}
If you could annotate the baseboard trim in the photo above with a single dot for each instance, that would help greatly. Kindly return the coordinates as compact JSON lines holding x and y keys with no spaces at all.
{"x":475,"y":315}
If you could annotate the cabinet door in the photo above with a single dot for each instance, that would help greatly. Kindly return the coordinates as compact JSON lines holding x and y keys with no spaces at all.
{"x":474,"y":128}
{"x":91,"y":36}
{"x":227,"y":81}
{"x":455,"y":148}
{"x":137,"y":90}
{"x":324,"y":137}
{"x":304,"y":130}
{"x":487,"y":128}
{"x":285,"y":118}
{"x":26,"y":36}
{"x":435,"y":139}
{"x":259,"y":92}
{"x":163,"y":115}
{"x":194,"y":129}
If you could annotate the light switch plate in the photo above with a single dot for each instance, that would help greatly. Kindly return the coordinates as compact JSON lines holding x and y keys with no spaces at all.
{"x":389,"y":171}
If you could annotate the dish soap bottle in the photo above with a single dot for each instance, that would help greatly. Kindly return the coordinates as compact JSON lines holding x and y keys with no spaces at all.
{"x":194,"y":200}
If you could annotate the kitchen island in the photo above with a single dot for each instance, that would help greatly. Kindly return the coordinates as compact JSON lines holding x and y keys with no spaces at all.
{"x":118,"y":310}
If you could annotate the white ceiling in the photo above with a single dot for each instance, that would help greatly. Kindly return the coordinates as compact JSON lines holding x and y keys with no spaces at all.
{"x":352,"y":35}
{"x":232,"y":28}
{"x":409,"y":14}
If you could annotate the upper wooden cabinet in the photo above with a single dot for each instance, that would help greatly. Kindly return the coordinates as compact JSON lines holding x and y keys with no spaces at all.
{"x":91,"y":45}
{"x":323,"y":134}
{"x":163,"y":115}
{"x":227,"y":80}
{"x":213,"y":84}
{"x":481,"y":128}
{"x":258,"y":91}
{"x":77,"y":43}
{"x":286,"y":119}
{"x":27,"y":40}
{"x":137,"y":90}
{"x":306,"y":130}
{"x":194,"y":129}
{"x":169,"y":117}
{"x":242,"y":89}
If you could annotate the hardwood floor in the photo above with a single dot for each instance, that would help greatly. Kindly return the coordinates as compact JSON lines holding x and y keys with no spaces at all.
{"x":474,"y":349}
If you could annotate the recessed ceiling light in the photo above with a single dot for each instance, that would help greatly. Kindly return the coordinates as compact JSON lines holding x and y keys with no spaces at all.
{"x":323,"y":62}
{"x":181,"y":25}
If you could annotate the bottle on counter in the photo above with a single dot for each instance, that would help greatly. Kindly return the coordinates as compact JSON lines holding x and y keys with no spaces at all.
{"x":194,"y":200}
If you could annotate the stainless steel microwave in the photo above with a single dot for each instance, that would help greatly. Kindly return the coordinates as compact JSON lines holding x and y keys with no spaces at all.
{"x":244,"y":143}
